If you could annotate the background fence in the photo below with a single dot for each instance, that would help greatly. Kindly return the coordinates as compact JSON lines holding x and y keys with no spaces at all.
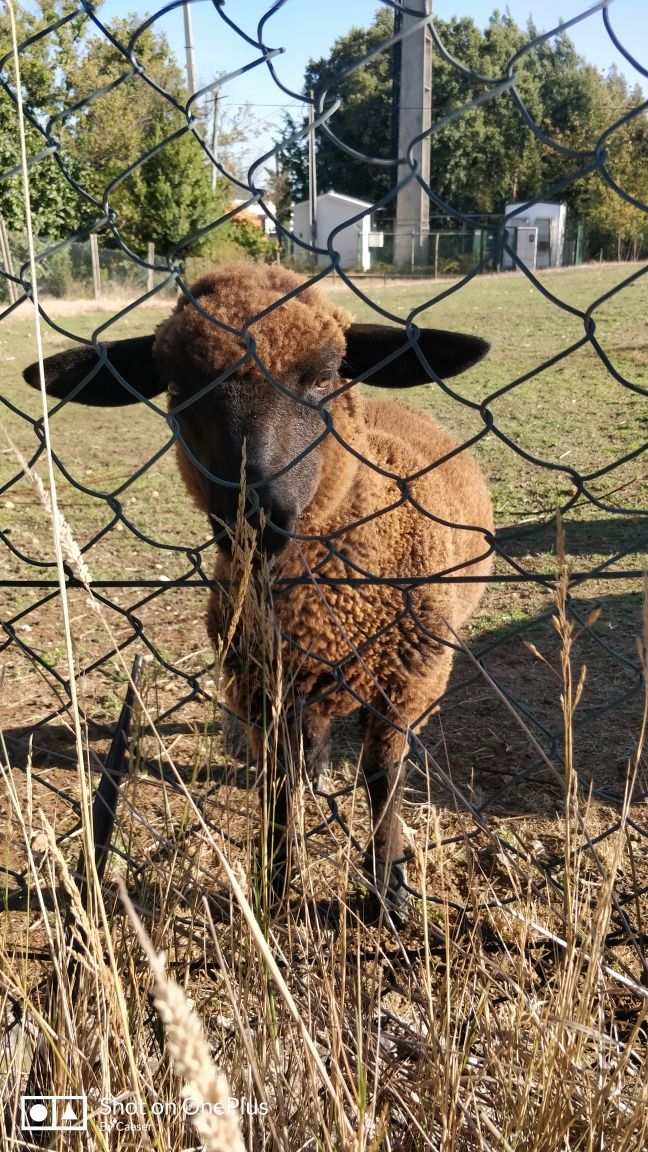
{"x":448,"y":253}
{"x":151,"y":559}
{"x":440,"y":253}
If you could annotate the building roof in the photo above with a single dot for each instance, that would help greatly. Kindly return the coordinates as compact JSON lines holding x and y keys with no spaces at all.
{"x":341,"y":197}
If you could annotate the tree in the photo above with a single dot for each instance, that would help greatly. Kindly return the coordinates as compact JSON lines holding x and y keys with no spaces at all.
{"x":363,"y":122}
{"x":489,"y":155}
{"x":581,"y":117}
{"x":124,"y":146}
{"x":53,"y":198}
{"x":131,"y":142}
{"x":486,"y":156}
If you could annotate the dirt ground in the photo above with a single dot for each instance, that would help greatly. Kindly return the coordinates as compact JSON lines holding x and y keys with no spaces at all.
{"x":488,"y":799}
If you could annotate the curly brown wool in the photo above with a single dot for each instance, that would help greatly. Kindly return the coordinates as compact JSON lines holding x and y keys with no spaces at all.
{"x":347,"y":644}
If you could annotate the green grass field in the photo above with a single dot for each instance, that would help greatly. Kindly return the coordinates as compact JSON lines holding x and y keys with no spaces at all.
{"x":572,"y":416}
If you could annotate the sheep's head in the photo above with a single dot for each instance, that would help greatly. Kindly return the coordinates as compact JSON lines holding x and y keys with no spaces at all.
{"x":252,"y":360}
{"x":248,"y":368}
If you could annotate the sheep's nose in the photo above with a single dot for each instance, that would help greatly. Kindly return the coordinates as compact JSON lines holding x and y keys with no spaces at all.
{"x":268,"y":512}
{"x":254,"y":476}
{"x":279,"y":524}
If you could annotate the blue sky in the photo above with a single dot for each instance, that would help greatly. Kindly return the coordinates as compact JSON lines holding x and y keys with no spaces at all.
{"x":307,"y":28}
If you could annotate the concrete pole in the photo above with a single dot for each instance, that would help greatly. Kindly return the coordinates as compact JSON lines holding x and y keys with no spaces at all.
{"x":414,"y":117}
{"x":312,"y":175}
{"x":214,"y":142}
{"x":189,"y":49}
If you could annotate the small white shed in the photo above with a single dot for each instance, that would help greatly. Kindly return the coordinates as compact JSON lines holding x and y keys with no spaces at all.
{"x":536,"y":233}
{"x":333,"y":209}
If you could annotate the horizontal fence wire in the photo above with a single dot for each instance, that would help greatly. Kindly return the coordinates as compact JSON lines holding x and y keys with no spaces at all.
{"x":154,"y":559}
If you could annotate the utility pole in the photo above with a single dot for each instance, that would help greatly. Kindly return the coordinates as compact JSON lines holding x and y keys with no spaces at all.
{"x":214,"y":143}
{"x":414,"y":93}
{"x":189,"y":49}
{"x":312,"y":173}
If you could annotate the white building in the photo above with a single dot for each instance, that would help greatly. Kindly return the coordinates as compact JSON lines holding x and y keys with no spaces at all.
{"x":536,"y":233}
{"x":353,"y":242}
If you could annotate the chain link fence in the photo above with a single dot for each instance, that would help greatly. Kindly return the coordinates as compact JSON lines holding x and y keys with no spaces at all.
{"x":78,"y":271}
{"x":555,"y":425}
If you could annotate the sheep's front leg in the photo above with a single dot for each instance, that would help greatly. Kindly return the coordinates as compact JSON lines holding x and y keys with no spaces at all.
{"x":383,"y":762}
{"x":384,"y":755}
{"x":309,"y":744}
{"x":316,"y":734}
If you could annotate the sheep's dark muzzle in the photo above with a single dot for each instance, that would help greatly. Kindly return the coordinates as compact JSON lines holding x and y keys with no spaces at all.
{"x":273,"y":530}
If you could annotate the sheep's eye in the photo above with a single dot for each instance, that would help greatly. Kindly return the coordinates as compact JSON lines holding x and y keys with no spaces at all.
{"x":323,"y":378}
{"x":173,"y":389}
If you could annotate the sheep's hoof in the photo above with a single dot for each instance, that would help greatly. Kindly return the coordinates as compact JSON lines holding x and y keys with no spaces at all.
{"x":386,"y":898}
{"x":324,"y":913}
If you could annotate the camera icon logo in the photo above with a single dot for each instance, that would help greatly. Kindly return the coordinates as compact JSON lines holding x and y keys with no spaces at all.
{"x":54,"y":1113}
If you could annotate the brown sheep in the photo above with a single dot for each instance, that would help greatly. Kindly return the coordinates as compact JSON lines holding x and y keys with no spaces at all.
{"x":354,"y":504}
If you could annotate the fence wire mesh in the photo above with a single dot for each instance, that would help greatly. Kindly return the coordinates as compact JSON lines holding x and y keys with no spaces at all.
{"x":548,"y":436}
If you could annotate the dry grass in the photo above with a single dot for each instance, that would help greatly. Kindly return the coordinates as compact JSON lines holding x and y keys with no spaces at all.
{"x":505,"y":1028}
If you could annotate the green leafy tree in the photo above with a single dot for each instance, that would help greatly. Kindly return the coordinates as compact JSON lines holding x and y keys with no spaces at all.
{"x":125,"y":148}
{"x":131,"y":146}
{"x":53,"y":199}
{"x":489,"y":155}
{"x":627,"y":147}
{"x":292,"y":176}
{"x":486,"y":156}
{"x":581,"y":117}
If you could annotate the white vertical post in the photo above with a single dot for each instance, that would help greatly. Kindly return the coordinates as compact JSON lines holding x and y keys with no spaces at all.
{"x":414,"y":117}
{"x":189,"y":49}
{"x":96,"y":272}
{"x":6,"y":260}
{"x":312,"y":173}
{"x":150,"y":274}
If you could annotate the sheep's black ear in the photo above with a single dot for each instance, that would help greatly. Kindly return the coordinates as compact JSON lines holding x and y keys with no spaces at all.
{"x":133,"y":359}
{"x":447,"y":353}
